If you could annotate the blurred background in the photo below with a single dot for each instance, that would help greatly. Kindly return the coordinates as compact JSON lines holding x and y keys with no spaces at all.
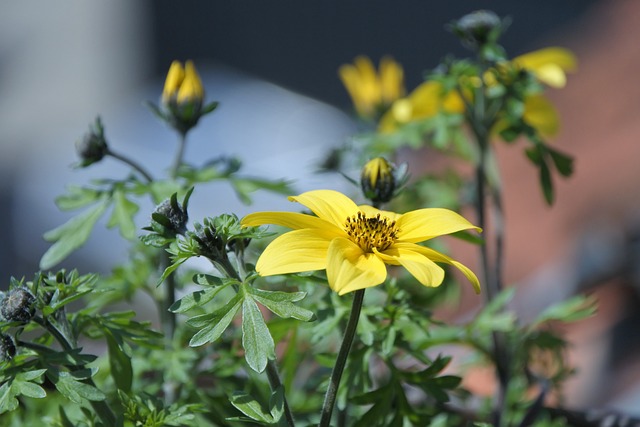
{"x":273,"y":67}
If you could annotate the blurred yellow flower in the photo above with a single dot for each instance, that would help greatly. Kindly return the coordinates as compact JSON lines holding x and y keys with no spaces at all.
{"x":371,"y":91}
{"x":354,"y":243}
{"x":183,"y":85}
{"x":548,"y":65}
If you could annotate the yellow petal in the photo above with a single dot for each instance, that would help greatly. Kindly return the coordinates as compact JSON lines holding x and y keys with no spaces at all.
{"x":542,"y":115}
{"x":191,"y":88}
{"x":421,"y":267}
{"x":548,"y":65}
{"x":329,"y":205}
{"x":391,"y":80}
{"x":351,"y":81}
{"x":439,"y":257}
{"x":295,"y":251}
{"x":423,"y":224}
{"x":173,"y":81}
{"x":350,"y":269}
{"x":287,"y":219}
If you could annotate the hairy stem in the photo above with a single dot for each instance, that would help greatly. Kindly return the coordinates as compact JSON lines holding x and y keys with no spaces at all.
{"x":177,"y":161}
{"x":341,"y":360}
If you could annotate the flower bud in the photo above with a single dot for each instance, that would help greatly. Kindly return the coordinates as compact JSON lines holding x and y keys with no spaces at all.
{"x":7,"y":348}
{"x":211,"y":245}
{"x":182,"y":96}
{"x":169,"y":218}
{"x":18,"y":305}
{"x":478,"y":28}
{"x":93,"y":146}
{"x":378,"y":181}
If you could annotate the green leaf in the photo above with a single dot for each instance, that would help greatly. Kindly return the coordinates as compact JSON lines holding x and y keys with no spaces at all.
{"x":70,"y":386}
{"x":546,"y":183}
{"x":122,"y":216}
{"x":71,"y":235}
{"x":249,"y":406}
{"x":30,"y":390}
{"x":281,"y":303}
{"x":77,"y":197}
{"x":120,"y":363}
{"x":246,"y":186}
{"x":8,"y":401}
{"x":256,"y":339}
{"x":563,"y":162}
{"x":195,"y":299}
{"x":576,"y":308}
{"x":216,"y":322}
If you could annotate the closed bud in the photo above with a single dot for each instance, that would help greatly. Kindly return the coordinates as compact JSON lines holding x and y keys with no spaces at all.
{"x":378,"y":181}
{"x":182,"y":96}
{"x":18,"y":305}
{"x":7,"y":348}
{"x":211,"y":245}
{"x":169,"y":218}
{"x":93,"y":146}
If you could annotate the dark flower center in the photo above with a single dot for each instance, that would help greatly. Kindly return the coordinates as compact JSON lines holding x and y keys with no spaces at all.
{"x":376,"y":232}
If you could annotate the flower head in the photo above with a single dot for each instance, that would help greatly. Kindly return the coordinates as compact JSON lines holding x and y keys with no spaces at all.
{"x":182,"y":97}
{"x":182,"y":84}
{"x":372,"y":91}
{"x":549,"y":65}
{"x":355,"y":243}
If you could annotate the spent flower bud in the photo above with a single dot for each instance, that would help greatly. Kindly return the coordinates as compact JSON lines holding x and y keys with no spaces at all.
{"x":171,"y":218}
{"x":93,"y":145}
{"x":211,"y":245}
{"x":7,"y":348}
{"x":17,"y":305}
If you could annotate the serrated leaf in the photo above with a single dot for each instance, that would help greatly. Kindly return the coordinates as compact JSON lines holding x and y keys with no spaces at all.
{"x":249,"y":406}
{"x":74,"y":390}
{"x":8,"y":401}
{"x":217,"y":322}
{"x":77,"y":197}
{"x":576,"y":308}
{"x":71,"y":235}
{"x":281,"y":303}
{"x":195,"y":299}
{"x":122,"y":215}
{"x":256,"y":338}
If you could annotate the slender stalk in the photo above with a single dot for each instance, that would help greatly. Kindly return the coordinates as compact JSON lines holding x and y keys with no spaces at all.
{"x":341,"y":360}
{"x":167,"y":317}
{"x":131,"y":163}
{"x":177,"y":161}
{"x":101,"y":407}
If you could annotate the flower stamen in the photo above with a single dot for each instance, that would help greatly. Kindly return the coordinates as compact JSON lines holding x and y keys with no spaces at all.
{"x":376,"y":232}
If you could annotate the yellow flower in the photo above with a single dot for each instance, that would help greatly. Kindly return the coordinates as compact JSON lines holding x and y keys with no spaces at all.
{"x":548,"y":65}
{"x":354,"y":243}
{"x":182,"y":84}
{"x":371,"y":90}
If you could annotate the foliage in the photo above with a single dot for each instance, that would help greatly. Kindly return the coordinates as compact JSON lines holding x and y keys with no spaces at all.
{"x":238,"y":348}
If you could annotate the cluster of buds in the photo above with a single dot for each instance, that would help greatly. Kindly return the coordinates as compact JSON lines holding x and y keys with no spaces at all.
{"x":93,"y":146}
{"x":17,"y":305}
{"x":380,"y":180}
{"x":182,"y":98}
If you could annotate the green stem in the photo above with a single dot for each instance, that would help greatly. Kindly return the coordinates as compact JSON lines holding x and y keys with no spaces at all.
{"x":167,"y":317}
{"x":177,"y":161}
{"x":131,"y":163}
{"x":102,"y":409}
{"x":341,"y":360}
